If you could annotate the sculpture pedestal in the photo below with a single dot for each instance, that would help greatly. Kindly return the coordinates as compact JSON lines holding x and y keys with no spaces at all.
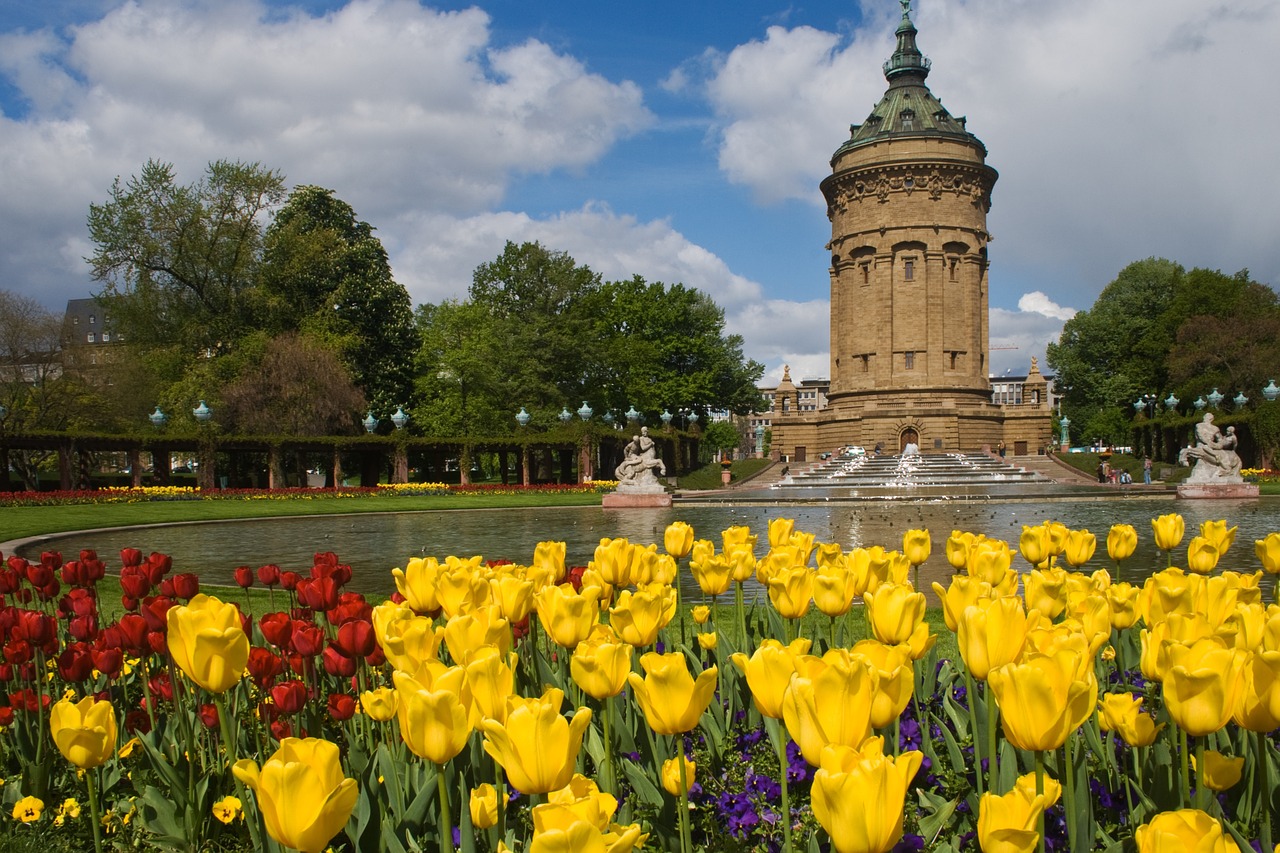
{"x":637,"y":497}
{"x":1218,"y":491}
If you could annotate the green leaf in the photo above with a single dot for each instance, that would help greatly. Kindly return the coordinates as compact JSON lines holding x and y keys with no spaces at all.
{"x":937,"y":815}
{"x":642,"y":786}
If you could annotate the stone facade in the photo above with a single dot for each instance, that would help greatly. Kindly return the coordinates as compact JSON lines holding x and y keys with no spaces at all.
{"x":908,"y":198}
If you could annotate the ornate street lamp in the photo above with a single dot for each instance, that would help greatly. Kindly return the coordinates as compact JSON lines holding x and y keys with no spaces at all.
{"x":1200,"y":403}
{"x":1240,"y":400}
{"x":608,"y":418}
{"x":370,"y":422}
{"x":400,"y":418}
{"x":565,"y":415}
{"x":666,"y":417}
{"x":522,"y":417}
{"x":586,"y":411}
{"x":693,"y":416}
{"x":202,"y":412}
{"x":632,"y":414}
{"x":158,"y":418}
{"x":1271,"y":391}
{"x":1171,"y":402}
{"x":1215,"y":399}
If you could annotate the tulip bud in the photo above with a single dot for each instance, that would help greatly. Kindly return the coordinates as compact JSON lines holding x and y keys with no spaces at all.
{"x":671,"y":775}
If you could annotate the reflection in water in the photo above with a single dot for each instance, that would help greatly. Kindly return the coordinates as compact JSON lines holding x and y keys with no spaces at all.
{"x":373,"y":543}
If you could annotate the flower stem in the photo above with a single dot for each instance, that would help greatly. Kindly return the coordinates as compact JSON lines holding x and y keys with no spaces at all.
{"x":993,"y":764}
{"x":91,"y":776}
{"x":229,"y":746}
{"x":1202,"y":790}
{"x":1040,"y":790}
{"x":446,"y":817}
{"x":1264,"y":786}
{"x":1186,"y":769}
{"x":1069,"y":794}
{"x":786,"y":794}
{"x":606,"y":716}
{"x":973,"y":728}
{"x":686,"y":837}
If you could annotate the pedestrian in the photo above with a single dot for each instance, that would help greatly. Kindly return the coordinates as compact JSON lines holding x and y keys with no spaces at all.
{"x":1102,"y":471}
{"x":1146,"y":470}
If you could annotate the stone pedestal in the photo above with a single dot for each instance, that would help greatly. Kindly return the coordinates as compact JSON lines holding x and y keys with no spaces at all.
{"x":1217,"y":491}
{"x":633,"y":497}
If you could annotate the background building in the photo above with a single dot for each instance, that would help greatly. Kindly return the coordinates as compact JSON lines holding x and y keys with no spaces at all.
{"x":908,"y":198}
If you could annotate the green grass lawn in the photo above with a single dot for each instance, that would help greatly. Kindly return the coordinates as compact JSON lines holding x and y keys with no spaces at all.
{"x":708,"y":476}
{"x":20,"y":522}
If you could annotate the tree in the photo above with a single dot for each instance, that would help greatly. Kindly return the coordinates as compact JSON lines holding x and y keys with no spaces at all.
{"x":1116,"y":351}
{"x":459,"y":386}
{"x":297,"y":387}
{"x":325,"y":273}
{"x":543,"y":339}
{"x":721,"y":436}
{"x":179,"y":264}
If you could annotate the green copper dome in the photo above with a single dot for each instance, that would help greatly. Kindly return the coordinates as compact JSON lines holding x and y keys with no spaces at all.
{"x":908,"y":108}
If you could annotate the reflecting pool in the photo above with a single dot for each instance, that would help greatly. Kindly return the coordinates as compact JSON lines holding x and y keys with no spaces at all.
{"x":374,"y":543}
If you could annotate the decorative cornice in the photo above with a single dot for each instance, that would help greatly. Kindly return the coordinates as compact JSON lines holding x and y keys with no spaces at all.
{"x":882,"y":181}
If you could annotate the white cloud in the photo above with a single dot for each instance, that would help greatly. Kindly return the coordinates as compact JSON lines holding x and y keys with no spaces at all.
{"x":1036,"y":302}
{"x":1120,"y":131}
{"x":393,"y":105}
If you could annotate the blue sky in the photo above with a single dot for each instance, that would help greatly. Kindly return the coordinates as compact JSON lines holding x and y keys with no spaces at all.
{"x":679,"y":141}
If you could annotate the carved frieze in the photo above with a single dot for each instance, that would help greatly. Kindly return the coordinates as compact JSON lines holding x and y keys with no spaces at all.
{"x":882,"y":182}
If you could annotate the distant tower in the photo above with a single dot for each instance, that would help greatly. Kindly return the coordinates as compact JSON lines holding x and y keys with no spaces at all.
{"x":908,"y":197}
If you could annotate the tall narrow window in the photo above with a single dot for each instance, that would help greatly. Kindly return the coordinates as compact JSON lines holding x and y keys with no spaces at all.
{"x":866,"y":363}
{"x":92,"y":319}
{"x":954,"y":269}
{"x":866,"y":273}
{"x":909,"y":269}
{"x":91,"y":338}
{"x":910,"y":359}
{"x":954,"y":356}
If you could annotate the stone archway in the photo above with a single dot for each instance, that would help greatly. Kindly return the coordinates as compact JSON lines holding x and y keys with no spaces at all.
{"x":908,"y":436}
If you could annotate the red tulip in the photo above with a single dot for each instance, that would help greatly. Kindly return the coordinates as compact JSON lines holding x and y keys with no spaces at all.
{"x":243,"y":576}
{"x":158,"y":642}
{"x":130,"y":557}
{"x":341,"y":706}
{"x":289,"y":580}
{"x":158,"y":565}
{"x":39,"y":574}
{"x":308,"y":639}
{"x":269,"y":574}
{"x":376,"y":658}
{"x":137,"y":722}
{"x":108,"y":661}
{"x":18,"y":652}
{"x":10,"y":579}
{"x":75,"y":663}
{"x":338,"y":664}
{"x":52,"y":560}
{"x":351,"y":606}
{"x":154,"y":610}
{"x":209,"y":715}
{"x":133,"y":633}
{"x":263,"y":666}
{"x":318,"y":593}
{"x":160,"y":687}
{"x":78,"y":602}
{"x":36,"y":628}
{"x":281,"y":729}
{"x":83,"y":628}
{"x":186,"y":586}
{"x":6,"y":717}
{"x":356,"y":639}
{"x":135,"y":582}
{"x":289,"y":697}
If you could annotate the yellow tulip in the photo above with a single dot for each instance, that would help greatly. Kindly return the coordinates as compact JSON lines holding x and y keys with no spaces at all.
{"x":580,"y":800}
{"x":701,"y":614}
{"x":1220,"y":772}
{"x":537,"y":746}
{"x":613,"y":559}
{"x":1202,"y":556}
{"x":1090,"y":615}
{"x":1009,"y":823}
{"x":566,"y":614}
{"x":484,"y":806}
{"x":601,"y":663}
{"x":1181,"y":831}
{"x":894,"y":611}
{"x":671,"y":775}
{"x":1219,"y":534}
{"x":379,"y":704}
{"x":780,"y":530}
{"x":548,"y":557}
{"x":895,"y":679}
{"x":1123,"y":598}
{"x":791,"y":592}
{"x":829,"y":703}
{"x":435,"y":718}
{"x":990,"y":561}
{"x":303,"y":796}
{"x":1168,"y":530}
{"x":833,"y":589}
{"x":1041,"y":702}
{"x":417,"y":583}
{"x":84,"y":732}
{"x":712,"y":574}
{"x":829,"y":554}
{"x":1203,"y":685}
{"x":991,"y":633}
{"x":1115,"y":707}
{"x":1080,"y":546}
{"x":475,"y":629}
{"x":1035,"y":544}
{"x":678,"y":539}
{"x":742,"y":562}
{"x":963,"y":591}
{"x":957,"y":549}
{"x":701,"y":550}
{"x":858,"y":795}
{"x":672,"y":701}
{"x":491,"y":680}
{"x":207,"y":642}
{"x":513,"y":595}
{"x":916,"y":546}
{"x":1259,"y":707}
{"x":1165,"y":592}
{"x":768,"y":672}
{"x":708,"y":641}
{"x":1268,"y":553}
{"x":1046,"y":590}
{"x":407,"y":640}
{"x":738,"y":536}
{"x":802,"y":541}
{"x":461,"y":590}
{"x":582,"y":837}
{"x":639,"y":616}
{"x":1122,"y":541}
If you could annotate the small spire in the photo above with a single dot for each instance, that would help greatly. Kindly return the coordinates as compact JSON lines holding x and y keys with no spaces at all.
{"x":907,"y":60}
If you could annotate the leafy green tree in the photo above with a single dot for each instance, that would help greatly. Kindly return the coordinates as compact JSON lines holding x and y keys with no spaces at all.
{"x":1228,"y":335}
{"x":179,"y":263}
{"x":721,"y":436}
{"x":459,"y":386}
{"x":1116,"y":351}
{"x":296,"y":387}
{"x":324,"y":273}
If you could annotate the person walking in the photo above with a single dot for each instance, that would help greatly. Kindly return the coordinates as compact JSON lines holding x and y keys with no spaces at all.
{"x":1146,"y":470}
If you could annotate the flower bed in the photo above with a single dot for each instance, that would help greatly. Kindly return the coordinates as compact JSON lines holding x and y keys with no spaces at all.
{"x":545,"y":708}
